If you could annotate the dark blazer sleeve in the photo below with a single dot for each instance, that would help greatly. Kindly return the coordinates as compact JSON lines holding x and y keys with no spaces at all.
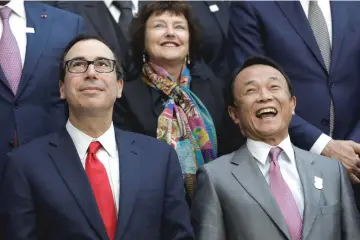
{"x":176,"y":218}
{"x":350,"y":218}
{"x":245,"y":40}
{"x":17,"y":209}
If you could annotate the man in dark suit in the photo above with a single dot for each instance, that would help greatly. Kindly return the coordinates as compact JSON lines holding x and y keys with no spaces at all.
{"x":317,"y":44}
{"x":91,"y":180}
{"x":103,"y":18}
{"x":34,"y":36}
{"x":214,"y":19}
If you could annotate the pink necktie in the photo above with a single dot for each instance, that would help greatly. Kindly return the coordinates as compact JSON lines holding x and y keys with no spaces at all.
{"x":10,"y":59}
{"x":284,"y":197}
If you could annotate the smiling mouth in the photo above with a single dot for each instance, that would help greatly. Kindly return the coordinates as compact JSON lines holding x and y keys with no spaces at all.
{"x":266,"y":113}
{"x":169,"y":44}
{"x":91,"y":89}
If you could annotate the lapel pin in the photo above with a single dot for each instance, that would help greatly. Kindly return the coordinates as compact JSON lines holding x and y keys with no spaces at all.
{"x":43,"y":15}
{"x":318,"y":182}
{"x":214,"y":8}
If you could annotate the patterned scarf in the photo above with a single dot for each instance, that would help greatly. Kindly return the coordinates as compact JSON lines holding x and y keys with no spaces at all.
{"x":185,"y":122}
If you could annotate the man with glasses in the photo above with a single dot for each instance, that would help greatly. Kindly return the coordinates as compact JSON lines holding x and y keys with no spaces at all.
{"x":66,"y":185}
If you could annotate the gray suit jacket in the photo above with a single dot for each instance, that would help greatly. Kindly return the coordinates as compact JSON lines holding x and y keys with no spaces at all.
{"x":233,"y":201}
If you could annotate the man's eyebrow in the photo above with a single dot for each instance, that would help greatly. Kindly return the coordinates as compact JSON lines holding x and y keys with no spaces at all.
{"x":249,"y":82}
{"x":83,"y":58}
{"x":274,"y":78}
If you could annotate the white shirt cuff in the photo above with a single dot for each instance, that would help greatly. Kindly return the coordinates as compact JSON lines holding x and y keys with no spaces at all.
{"x":320,"y":144}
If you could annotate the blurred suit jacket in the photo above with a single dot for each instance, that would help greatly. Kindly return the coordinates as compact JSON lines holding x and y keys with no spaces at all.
{"x":36,"y":109}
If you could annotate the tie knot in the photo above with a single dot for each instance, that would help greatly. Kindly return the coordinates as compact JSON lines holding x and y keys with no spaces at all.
{"x":5,"y":13}
{"x":123,"y":4}
{"x":274,"y":153}
{"x":94,"y":147}
{"x":313,"y":2}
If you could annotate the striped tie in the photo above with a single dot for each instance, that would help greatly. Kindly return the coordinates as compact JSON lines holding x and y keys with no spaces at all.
{"x":284,"y":197}
{"x":10,"y":59}
{"x":321,"y":33}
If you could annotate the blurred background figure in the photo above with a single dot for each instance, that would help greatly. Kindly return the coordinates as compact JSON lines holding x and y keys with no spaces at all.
{"x":33,"y":36}
{"x":317,"y":44}
{"x":175,"y":97}
{"x":108,"y":19}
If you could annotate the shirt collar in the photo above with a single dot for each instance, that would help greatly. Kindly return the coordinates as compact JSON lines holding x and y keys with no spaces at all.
{"x":82,"y":140}
{"x":108,"y":3}
{"x":260,"y":150}
{"x":17,"y":6}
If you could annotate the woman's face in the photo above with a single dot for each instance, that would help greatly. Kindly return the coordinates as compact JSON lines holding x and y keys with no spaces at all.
{"x":167,"y":38}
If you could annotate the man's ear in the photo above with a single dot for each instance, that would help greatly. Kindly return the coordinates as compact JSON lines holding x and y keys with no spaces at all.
{"x":293,"y":104}
{"x":232,"y":113}
{"x":120,"y":88}
{"x":62,"y":90}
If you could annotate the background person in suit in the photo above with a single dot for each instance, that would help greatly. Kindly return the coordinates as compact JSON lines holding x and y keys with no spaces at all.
{"x":33,"y":36}
{"x":173,"y":98}
{"x":269,"y":189}
{"x":213,"y":17}
{"x":108,"y":19}
{"x":317,"y":44}
{"x":91,"y":180}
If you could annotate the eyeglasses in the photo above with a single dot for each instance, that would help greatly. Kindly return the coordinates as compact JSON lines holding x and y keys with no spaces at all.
{"x":102,"y":65}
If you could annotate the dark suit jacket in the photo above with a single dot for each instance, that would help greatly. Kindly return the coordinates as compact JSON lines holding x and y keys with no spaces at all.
{"x":281,"y":31}
{"x":46,"y":193}
{"x":99,"y":21}
{"x":215,"y":28}
{"x":36,"y":109}
{"x":140,"y":106}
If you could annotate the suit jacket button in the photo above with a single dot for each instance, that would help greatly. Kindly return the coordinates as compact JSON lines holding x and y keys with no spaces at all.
{"x":16,"y":105}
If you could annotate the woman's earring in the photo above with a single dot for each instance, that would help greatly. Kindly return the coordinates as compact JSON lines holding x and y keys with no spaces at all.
{"x":188,"y":60}
{"x":144,"y":58}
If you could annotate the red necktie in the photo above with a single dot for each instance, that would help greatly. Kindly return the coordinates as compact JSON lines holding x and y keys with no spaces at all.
{"x":100,"y":185}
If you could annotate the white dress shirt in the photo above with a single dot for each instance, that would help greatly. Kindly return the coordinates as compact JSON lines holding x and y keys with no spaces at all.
{"x":324,"y":5}
{"x":260,"y":151}
{"x":115,"y":12}
{"x":107,"y":154}
{"x":17,"y":21}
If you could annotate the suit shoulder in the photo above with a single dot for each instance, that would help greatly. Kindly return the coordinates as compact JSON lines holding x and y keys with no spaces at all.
{"x":144,"y":141}
{"x":330,"y":163}
{"x":33,"y":146}
{"x":218,"y":163}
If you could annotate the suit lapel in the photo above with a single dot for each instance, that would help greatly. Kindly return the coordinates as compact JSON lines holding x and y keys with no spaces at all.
{"x":250,"y":177}
{"x":129,"y":157}
{"x":221,"y":16}
{"x":293,"y":11}
{"x":339,"y":21}
{"x":307,"y":172}
{"x":35,"y":41}
{"x":4,"y":80}
{"x":64,"y":155}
